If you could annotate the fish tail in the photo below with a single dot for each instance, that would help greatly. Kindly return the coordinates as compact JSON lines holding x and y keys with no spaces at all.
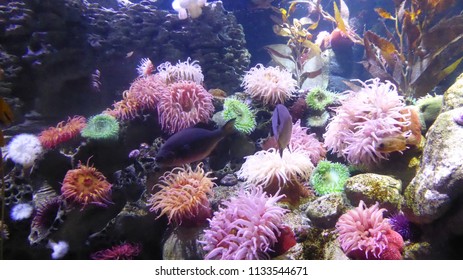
{"x":228,"y":127}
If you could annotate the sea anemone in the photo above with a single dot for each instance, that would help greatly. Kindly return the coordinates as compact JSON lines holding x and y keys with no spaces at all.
{"x":248,"y":227}
{"x":182,"y":71}
{"x":145,"y":67}
{"x":101,"y":127}
{"x":63,"y":132}
{"x":364,"y":119}
{"x":318,"y":120}
{"x":188,"y":7}
{"x":364,"y":234}
{"x":186,"y":104}
{"x":47,"y":214}
{"x":318,"y":98}
{"x":21,"y":211}
{"x":183,"y":195}
{"x":60,"y":249}
{"x":125,"y":251}
{"x":306,"y":143}
{"x":86,"y":185}
{"x":24,"y":149}
{"x":329,"y":177}
{"x":272,"y":171}
{"x":401,"y":225}
{"x":269,"y":84}
{"x":245,"y":120}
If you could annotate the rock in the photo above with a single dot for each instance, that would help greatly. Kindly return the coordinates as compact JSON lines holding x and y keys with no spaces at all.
{"x":372,"y":188}
{"x":438,"y":181}
{"x":453,"y":97}
{"x":182,"y":245}
{"x":325,"y":211}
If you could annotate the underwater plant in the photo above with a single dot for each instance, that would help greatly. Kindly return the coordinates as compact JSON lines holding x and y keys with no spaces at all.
{"x":245,"y":120}
{"x":270,"y":85}
{"x":274,"y":172}
{"x":366,"y":121}
{"x":318,"y":98}
{"x":329,"y":177}
{"x":124,"y":251}
{"x":86,"y":185}
{"x":101,"y":127}
{"x":186,"y":103}
{"x":424,"y":45}
{"x":364,"y":234}
{"x":63,"y":132}
{"x":24,"y":149}
{"x":246,"y":228}
{"x":183,"y":196}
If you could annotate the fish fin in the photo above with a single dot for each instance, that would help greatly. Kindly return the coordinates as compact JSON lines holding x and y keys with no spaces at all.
{"x":229,"y":127}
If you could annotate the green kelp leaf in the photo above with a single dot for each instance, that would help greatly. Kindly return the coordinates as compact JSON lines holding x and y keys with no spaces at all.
{"x":449,"y":69}
{"x":283,"y":56}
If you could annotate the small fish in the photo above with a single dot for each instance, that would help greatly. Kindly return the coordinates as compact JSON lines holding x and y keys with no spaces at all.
{"x":392,"y":144}
{"x":282,"y":126}
{"x":191,"y":144}
{"x":129,"y":54}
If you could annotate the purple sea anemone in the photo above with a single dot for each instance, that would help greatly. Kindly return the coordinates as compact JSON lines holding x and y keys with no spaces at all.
{"x":365,"y":118}
{"x":125,"y":251}
{"x":402,"y":225}
{"x":247,"y":228}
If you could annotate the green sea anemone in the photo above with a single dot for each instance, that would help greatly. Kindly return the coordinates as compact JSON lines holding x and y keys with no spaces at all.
{"x":329,"y":177}
{"x":319,"y":98}
{"x":318,"y":120}
{"x":235,"y":109}
{"x":101,"y":127}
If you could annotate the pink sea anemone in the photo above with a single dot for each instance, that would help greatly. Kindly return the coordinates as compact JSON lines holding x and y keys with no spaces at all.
{"x":270,"y":85}
{"x":364,"y":118}
{"x":125,"y":251}
{"x":185,"y":104}
{"x":182,"y":71}
{"x":247,"y":228}
{"x":64,"y":131}
{"x":306,"y":143}
{"x":183,"y":195}
{"x":364,"y":234}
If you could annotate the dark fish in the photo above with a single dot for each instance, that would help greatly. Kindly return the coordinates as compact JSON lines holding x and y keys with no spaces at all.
{"x":282,"y":126}
{"x":191,"y":144}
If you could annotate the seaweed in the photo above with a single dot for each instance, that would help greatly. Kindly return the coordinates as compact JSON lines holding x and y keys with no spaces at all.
{"x":423,"y":45}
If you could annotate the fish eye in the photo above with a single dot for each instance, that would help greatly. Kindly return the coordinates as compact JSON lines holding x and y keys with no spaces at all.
{"x":381,"y":145}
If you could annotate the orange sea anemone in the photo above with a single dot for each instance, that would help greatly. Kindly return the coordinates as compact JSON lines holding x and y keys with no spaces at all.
{"x":86,"y":185}
{"x":64,"y":131}
{"x":183,"y":196}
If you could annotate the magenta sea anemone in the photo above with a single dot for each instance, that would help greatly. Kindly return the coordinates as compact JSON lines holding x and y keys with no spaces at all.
{"x":186,"y":103}
{"x":125,"y":251}
{"x":247,"y":228}
{"x":364,"y":119}
{"x":270,"y":85}
{"x":364,"y":234}
{"x":306,"y":143}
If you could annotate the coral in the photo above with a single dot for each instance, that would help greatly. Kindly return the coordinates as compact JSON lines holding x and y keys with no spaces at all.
{"x":329,"y":177}
{"x":187,"y":103}
{"x":24,"y":149}
{"x":63,"y":132}
{"x":182,"y":71}
{"x":125,"y":251}
{"x":86,"y":185}
{"x":193,"y":8}
{"x":145,"y":67}
{"x":245,"y":120}
{"x":183,"y":195}
{"x":270,"y":85}
{"x":319,"y":98}
{"x":21,"y":211}
{"x":247,"y":227}
{"x":101,"y":127}
{"x":364,"y":234}
{"x":363,"y":120}
{"x":270,"y":170}
{"x":306,"y":143}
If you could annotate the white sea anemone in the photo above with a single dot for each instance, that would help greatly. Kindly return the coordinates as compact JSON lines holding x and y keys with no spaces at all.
{"x":60,"y":249}
{"x":24,"y":149}
{"x":21,"y":211}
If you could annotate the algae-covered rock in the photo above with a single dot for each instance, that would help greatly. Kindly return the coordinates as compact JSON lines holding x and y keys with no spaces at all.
{"x":325,"y":211}
{"x":372,"y":188}
{"x":440,"y":176}
{"x":453,"y":97}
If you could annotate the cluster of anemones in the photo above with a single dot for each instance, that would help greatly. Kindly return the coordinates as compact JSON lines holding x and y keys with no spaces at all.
{"x":365,"y":234}
{"x":247,"y":228}
{"x":63,"y":132}
{"x":270,"y":85}
{"x":183,"y":195}
{"x":364,"y":118}
{"x":86,"y":185}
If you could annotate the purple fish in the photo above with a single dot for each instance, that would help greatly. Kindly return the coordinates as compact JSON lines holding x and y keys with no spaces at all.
{"x":282,"y":126}
{"x":191,"y":144}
